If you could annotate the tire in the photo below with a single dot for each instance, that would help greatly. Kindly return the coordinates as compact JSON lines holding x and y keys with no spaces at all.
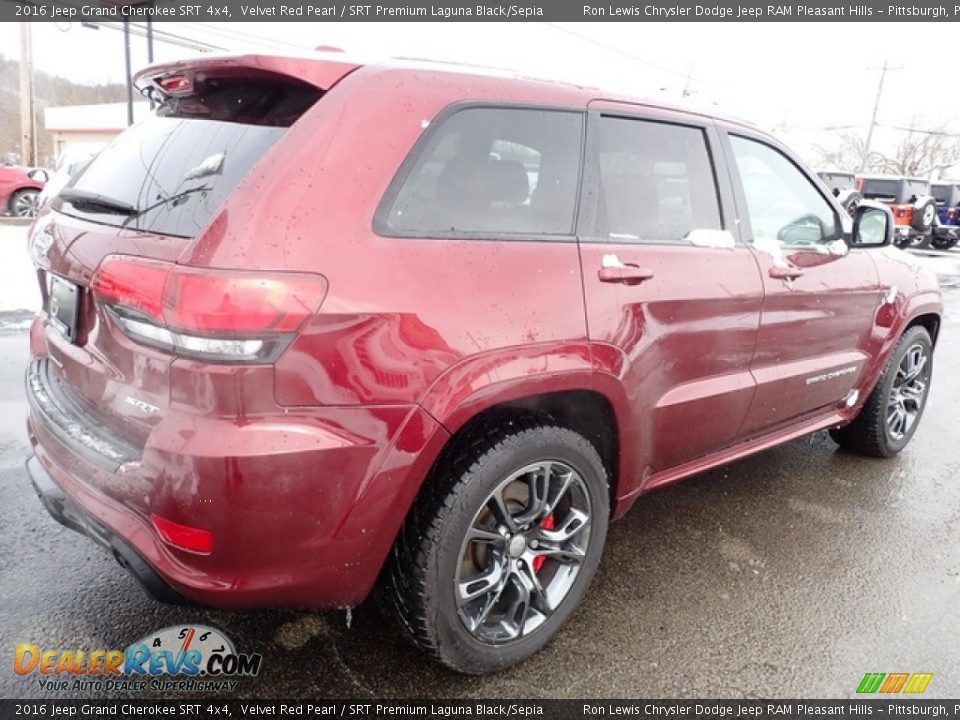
{"x":24,"y":203}
{"x":924,"y":216}
{"x":902,"y":241}
{"x":873,"y":432}
{"x":944,"y":242}
{"x":852,"y":202}
{"x":435,"y":571}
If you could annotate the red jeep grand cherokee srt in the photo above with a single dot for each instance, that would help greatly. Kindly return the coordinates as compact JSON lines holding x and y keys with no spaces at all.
{"x":317,"y":325}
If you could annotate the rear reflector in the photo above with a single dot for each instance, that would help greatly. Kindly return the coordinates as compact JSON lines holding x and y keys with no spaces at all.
{"x":184,"y":537}
{"x":208,"y":313}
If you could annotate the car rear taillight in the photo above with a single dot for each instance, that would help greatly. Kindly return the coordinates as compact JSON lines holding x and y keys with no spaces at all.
{"x":211,"y":314}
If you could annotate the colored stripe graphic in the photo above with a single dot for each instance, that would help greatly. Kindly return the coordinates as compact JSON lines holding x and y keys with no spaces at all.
{"x":894,"y":683}
{"x":870,"y":682}
{"x":918,"y":682}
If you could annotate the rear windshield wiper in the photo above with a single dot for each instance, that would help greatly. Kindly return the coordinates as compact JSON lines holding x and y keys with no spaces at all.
{"x":96,"y":201}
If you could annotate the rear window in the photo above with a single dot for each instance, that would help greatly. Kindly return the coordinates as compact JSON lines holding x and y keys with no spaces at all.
{"x":881,"y":189}
{"x":916,"y":189}
{"x":175,"y":169}
{"x":837,"y":181}
{"x":946,"y":194}
{"x":489,"y":171}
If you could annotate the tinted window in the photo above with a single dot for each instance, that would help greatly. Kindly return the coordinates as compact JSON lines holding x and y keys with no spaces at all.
{"x":837,"y":181}
{"x":175,"y":169}
{"x":490,"y":170}
{"x":884,"y":190}
{"x":783,"y":204}
{"x":656,"y":181}
{"x":946,"y":194}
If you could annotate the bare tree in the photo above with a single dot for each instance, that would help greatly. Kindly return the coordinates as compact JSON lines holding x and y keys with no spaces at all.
{"x":921,"y":153}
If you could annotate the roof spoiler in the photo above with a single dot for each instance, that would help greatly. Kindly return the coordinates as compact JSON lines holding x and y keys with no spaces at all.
{"x":319,"y":71}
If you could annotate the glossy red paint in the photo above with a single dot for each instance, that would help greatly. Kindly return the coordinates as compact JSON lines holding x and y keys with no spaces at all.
{"x":304,"y":469}
{"x":14,"y":178}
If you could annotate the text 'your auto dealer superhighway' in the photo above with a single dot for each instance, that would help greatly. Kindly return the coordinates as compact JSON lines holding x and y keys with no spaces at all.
{"x":669,"y":12}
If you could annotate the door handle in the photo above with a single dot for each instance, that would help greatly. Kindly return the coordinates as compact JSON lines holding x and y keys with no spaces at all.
{"x":785,"y":273}
{"x":627,"y":275}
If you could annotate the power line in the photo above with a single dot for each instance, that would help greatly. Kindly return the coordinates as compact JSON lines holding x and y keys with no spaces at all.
{"x":238,"y":35}
{"x":612,"y":48}
{"x":159,"y":35}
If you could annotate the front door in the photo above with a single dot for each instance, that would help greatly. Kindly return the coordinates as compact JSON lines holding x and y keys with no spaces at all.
{"x":820,"y":295}
{"x":671,"y":298}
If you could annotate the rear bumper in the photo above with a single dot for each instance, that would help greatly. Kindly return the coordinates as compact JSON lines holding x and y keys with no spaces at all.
{"x":303,"y":504}
{"x":66,"y":512}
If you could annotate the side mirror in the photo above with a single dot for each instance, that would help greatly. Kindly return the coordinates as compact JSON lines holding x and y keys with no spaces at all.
{"x":38,"y":175}
{"x":872,"y":225}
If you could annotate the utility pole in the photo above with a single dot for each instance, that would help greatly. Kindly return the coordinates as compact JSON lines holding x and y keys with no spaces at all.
{"x":873,"y":118}
{"x":686,"y":85}
{"x":128,"y":70}
{"x":27,"y":130}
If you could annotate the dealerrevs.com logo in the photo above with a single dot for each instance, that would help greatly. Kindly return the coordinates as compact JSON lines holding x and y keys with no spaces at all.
{"x":180,"y":658}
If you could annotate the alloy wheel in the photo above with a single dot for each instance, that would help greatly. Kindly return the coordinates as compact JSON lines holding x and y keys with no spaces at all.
{"x":522,"y":552}
{"x":908,"y":391}
{"x":26,"y":204}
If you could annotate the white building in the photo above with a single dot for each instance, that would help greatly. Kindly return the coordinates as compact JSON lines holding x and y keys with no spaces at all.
{"x":87,"y":128}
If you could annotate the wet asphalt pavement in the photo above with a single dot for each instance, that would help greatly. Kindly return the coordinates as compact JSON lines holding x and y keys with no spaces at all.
{"x":789,"y":574}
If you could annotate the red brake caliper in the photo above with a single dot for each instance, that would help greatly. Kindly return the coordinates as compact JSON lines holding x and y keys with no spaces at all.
{"x":546,"y":524}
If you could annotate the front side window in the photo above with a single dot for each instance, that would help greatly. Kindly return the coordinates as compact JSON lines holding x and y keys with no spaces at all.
{"x":490,"y":171}
{"x":656,"y":182}
{"x":783,"y":204}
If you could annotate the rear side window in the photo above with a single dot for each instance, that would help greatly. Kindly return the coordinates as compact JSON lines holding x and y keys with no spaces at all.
{"x":656,"y":181}
{"x":489,"y":171}
{"x":170,"y":173}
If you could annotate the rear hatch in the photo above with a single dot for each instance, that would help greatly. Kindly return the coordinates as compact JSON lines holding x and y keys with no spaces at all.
{"x":119,"y":310}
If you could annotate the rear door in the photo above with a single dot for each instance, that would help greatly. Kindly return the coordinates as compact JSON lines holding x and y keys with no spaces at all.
{"x":820,"y":295}
{"x":668,"y":289}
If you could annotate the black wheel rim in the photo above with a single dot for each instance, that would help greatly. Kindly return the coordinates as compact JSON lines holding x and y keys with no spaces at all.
{"x":523,"y":552}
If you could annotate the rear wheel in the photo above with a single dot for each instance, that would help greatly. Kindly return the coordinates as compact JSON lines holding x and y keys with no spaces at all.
{"x":500,"y":549}
{"x":25,"y":203}
{"x":892,"y":413}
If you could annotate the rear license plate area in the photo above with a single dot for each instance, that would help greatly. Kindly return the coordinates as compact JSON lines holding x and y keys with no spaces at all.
{"x":63,"y":306}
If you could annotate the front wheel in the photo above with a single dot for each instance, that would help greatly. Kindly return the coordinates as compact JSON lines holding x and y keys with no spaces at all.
{"x":892,"y":413}
{"x":501,"y":547}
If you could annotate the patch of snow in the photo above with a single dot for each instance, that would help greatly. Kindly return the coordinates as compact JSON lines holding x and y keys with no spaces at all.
{"x":19,"y":290}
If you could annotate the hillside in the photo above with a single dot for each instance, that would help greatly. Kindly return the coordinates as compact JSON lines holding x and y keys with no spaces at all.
{"x":49,"y":90}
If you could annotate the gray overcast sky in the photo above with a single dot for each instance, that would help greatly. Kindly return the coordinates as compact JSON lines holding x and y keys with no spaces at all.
{"x":799,"y":79}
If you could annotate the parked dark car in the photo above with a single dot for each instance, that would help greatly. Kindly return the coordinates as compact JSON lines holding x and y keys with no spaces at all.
{"x":19,"y":189}
{"x":843,"y":185}
{"x":291,"y":351}
{"x":911,"y":200}
{"x":947,"y":232}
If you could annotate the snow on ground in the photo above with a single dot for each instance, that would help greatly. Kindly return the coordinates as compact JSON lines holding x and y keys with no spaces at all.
{"x":946,"y":264}
{"x":19,"y":292}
